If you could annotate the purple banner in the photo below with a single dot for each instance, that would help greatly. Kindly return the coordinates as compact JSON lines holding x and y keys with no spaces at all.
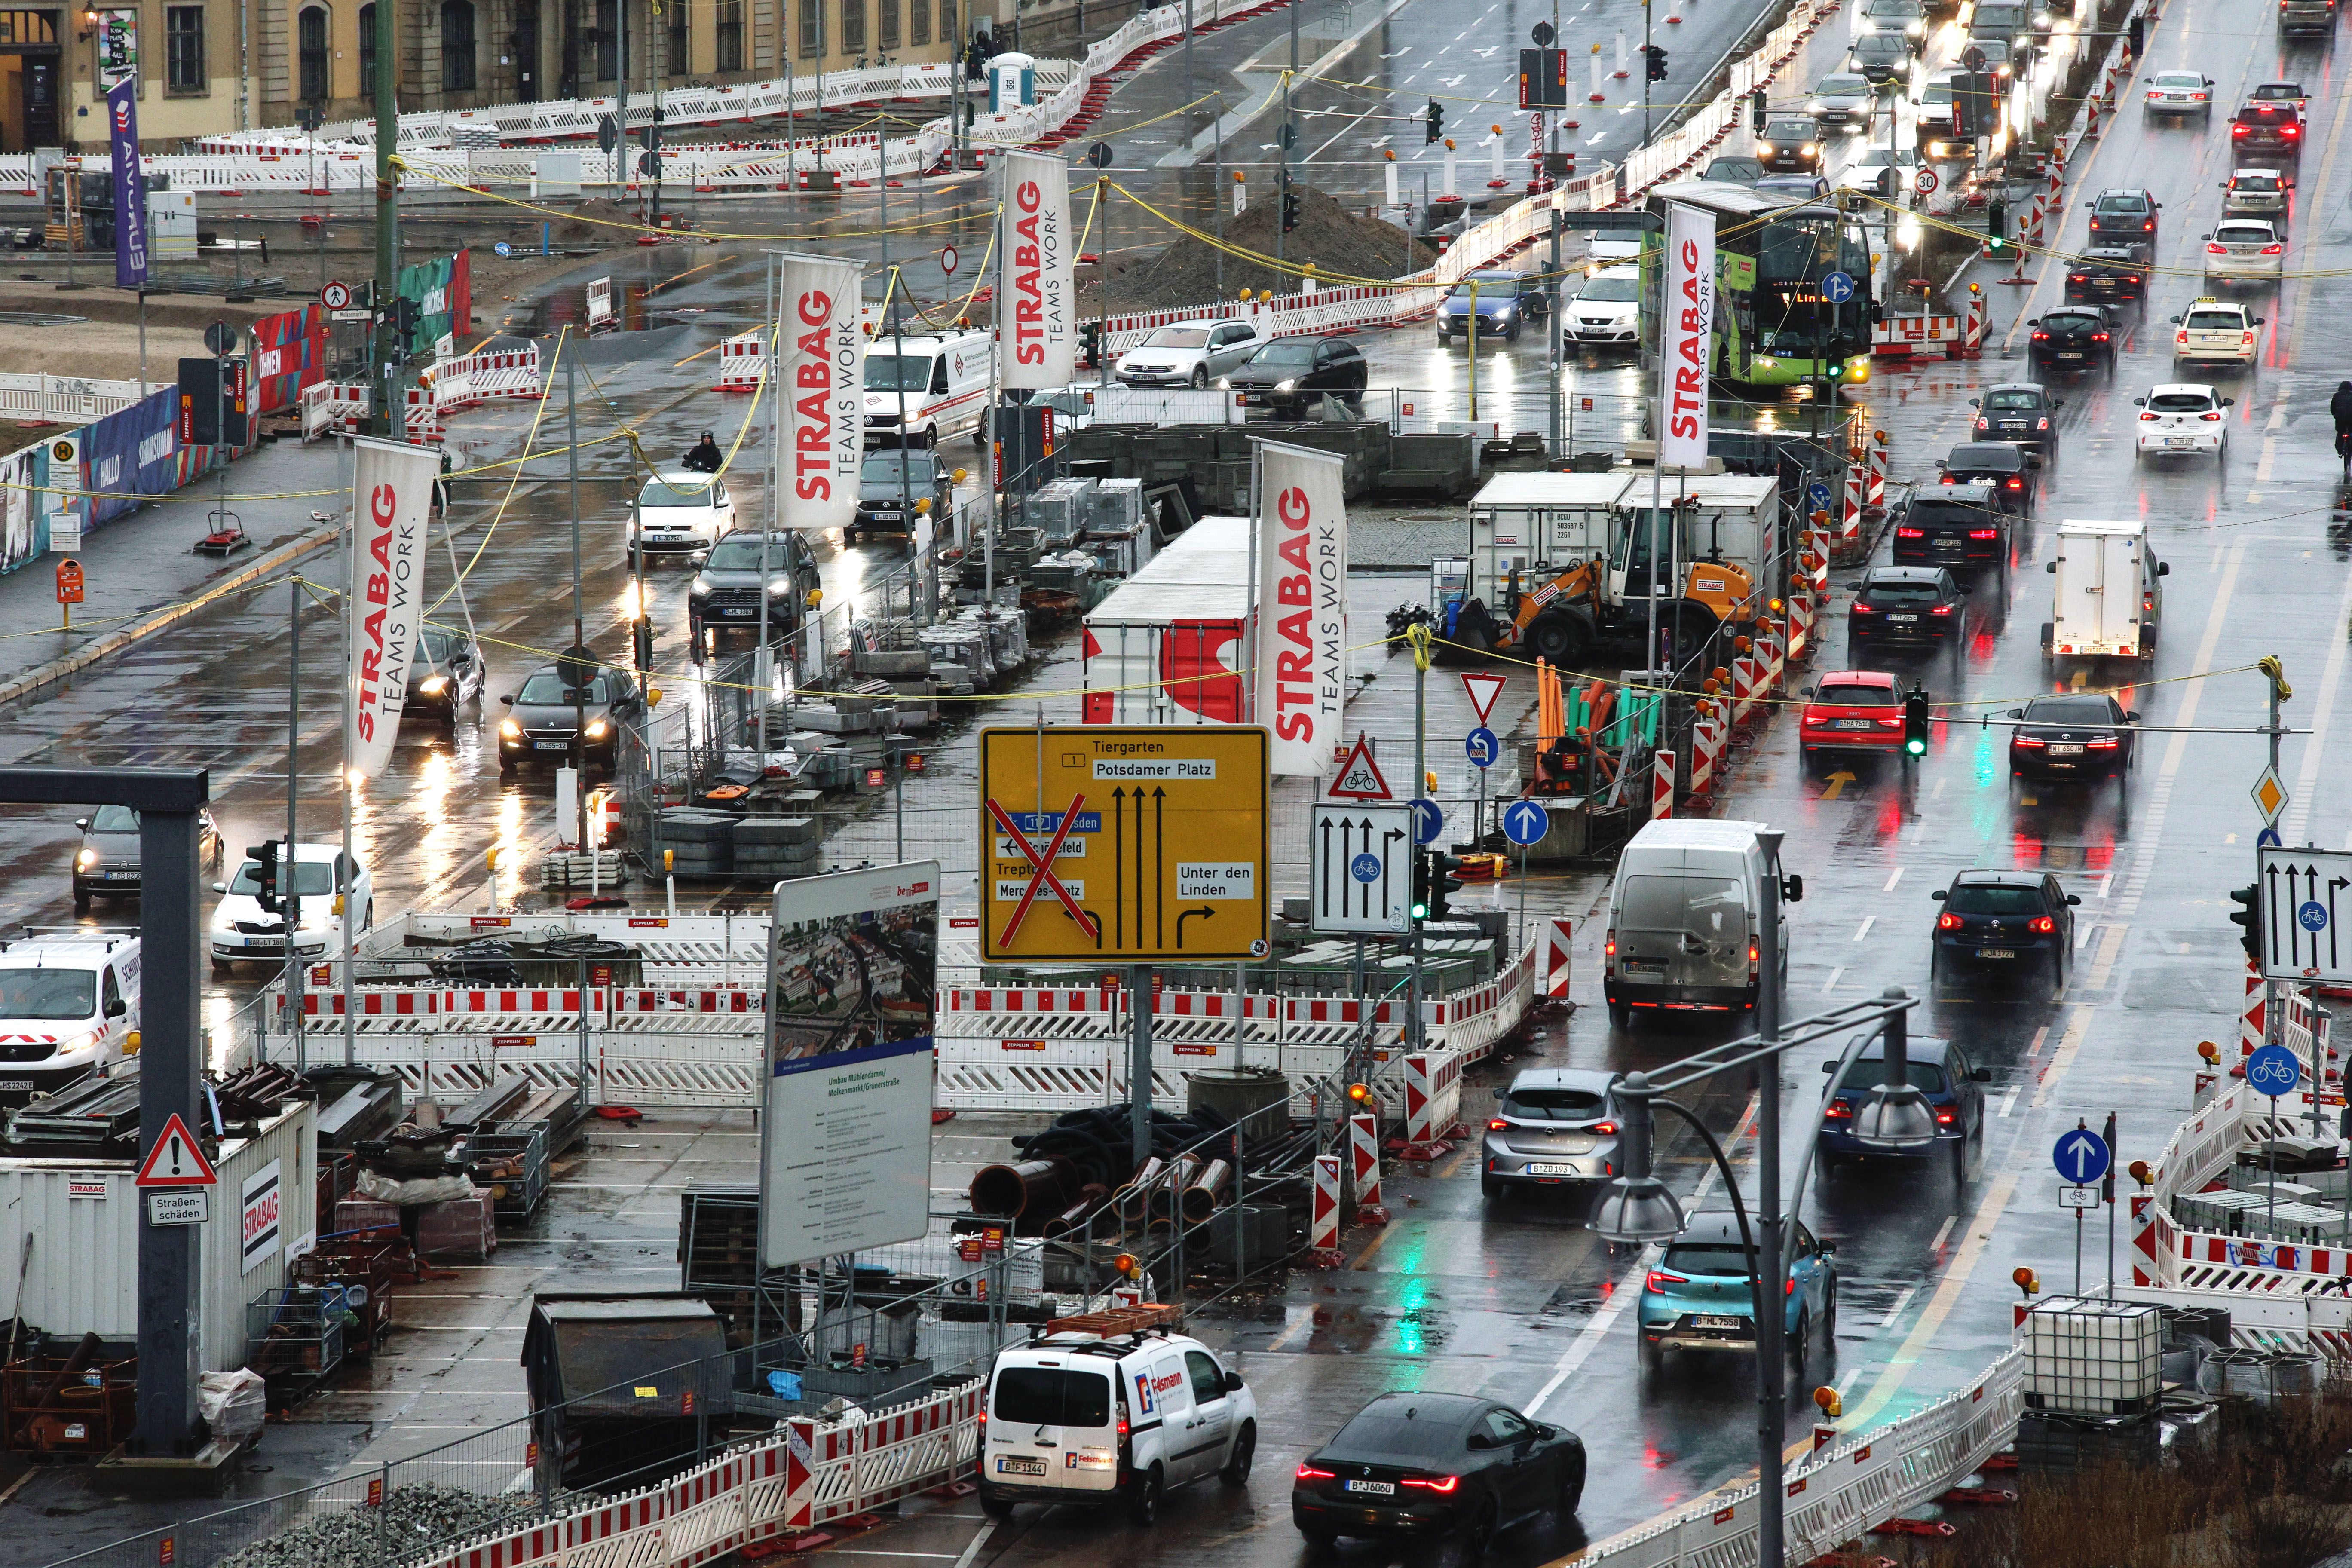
{"x":129,"y":186}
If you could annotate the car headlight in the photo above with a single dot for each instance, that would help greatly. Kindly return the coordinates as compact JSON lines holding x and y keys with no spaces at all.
{"x":81,"y":1042}
{"x":597,"y":728}
{"x":85,"y":859}
{"x":510,"y":730}
{"x":780,"y":587}
{"x":699,"y":589}
{"x":1916,"y":29}
{"x":1814,"y":107}
{"x":434,"y":685}
{"x":1291,"y":385}
{"x":1808,"y":150}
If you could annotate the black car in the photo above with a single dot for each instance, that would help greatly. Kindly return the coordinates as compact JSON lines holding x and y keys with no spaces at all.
{"x":2126,"y":217}
{"x":1903,"y":604}
{"x":2268,"y":129}
{"x":2007,"y":922}
{"x":2000,"y":465}
{"x":1289,"y":375}
{"x":548,"y":712}
{"x":2107,"y":272}
{"x":107,"y":863}
{"x":2077,"y":339}
{"x":1430,"y":1463}
{"x":725,"y":595}
{"x":2072,"y":735}
{"x":892,"y":481}
{"x":1880,"y":56}
{"x":446,"y":675}
{"x":1789,"y":145}
{"x":1957,"y":526}
{"x":2021,"y":412}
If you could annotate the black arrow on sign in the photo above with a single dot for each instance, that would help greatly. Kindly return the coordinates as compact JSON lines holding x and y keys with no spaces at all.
{"x":1118,"y":864}
{"x":1206,"y":912}
{"x":2334,"y":883}
{"x":1386,"y":840}
{"x":1327,"y":866}
{"x":2311,"y":882}
{"x":2273,"y":873}
{"x":1160,"y":857}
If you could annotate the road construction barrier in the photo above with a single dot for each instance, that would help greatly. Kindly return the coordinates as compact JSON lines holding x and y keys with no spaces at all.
{"x":1662,"y":785}
{"x":1364,"y":1167}
{"x":742,"y":363}
{"x":1874,"y":493}
{"x":491,"y":376}
{"x":1800,"y":627}
{"x":1323,"y":1219}
{"x":1973,"y":326}
{"x":1558,"y":935}
{"x":1850,"y":506}
{"x":1433,"y":1095}
{"x":332,"y":406}
{"x":1918,"y":337}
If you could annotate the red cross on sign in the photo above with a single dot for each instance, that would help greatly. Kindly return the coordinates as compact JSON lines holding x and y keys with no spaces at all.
{"x":1041,"y":872}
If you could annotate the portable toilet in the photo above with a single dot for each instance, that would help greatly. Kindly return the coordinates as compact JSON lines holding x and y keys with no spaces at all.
{"x":1012,"y":82}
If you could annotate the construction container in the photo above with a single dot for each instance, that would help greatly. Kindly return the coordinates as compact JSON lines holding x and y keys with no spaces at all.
{"x":624,"y":1387}
{"x":2092,"y":1357}
{"x":1166,"y":647}
{"x":82,"y":1273}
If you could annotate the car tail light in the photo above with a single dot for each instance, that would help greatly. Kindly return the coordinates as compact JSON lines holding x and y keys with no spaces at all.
{"x":2017,"y":483}
{"x":1890,"y":723}
{"x":2098,"y":337}
{"x":2290,"y":131}
{"x":2027,"y":740}
{"x":2108,"y":743}
{"x":2078,"y":278}
{"x":1948,"y":921}
{"x":2132,"y":277}
{"x":1790,"y":1288}
{"x":1433,"y":1483}
{"x":1605,"y":1129}
{"x":1862,"y":609}
{"x":2149,"y":226}
{"x":2198,"y":97}
{"x":1949,"y":481}
{"x":1659,"y":1280}
{"x":2147,"y":417}
{"x":1753,"y":954}
{"x":2042,"y":925}
{"x":2272,"y":251}
{"x":2214,"y":415}
{"x":2148,"y":603}
{"x":2217,"y":249}
{"x":1839,"y":1111}
{"x":1910,"y":533}
{"x":1941,"y":610}
{"x":1984,"y":533}
{"x":2237,"y":131}
{"x":1122,"y":1428}
{"x":1609,"y":954}
{"x":983,"y":1423}
{"x":1944,"y":1118}
{"x":1497,"y":1124}
{"x":1309,"y":1473}
{"x":2041,"y":337}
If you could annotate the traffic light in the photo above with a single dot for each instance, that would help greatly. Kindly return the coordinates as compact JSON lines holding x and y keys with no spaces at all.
{"x":1420,"y":878}
{"x":265,"y":855}
{"x":1657,"y":62}
{"x":1758,"y":103}
{"x":1915,"y":722}
{"x":1090,"y":342}
{"x":1442,"y":883}
{"x":2248,"y":920}
{"x":1436,"y":117}
{"x":1289,"y":211}
{"x":1997,"y":242}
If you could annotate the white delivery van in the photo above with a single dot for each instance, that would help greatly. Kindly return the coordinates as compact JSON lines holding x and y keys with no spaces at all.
{"x":1114,"y":1406}
{"x":69,"y":1005}
{"x":944,"y":382}
{"x":1683,"y":914}
{"x":2106,"y":600}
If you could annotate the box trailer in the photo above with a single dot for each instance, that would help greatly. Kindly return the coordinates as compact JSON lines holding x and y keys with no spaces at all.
{"x":1168,"y":646}
{"x":2106,"y":600}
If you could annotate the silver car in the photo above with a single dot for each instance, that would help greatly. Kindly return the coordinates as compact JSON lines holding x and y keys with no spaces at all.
{"x":1840,"y":99}
{"x":1190,"y":354}
{"x":2256,"y":193}
{"x":1553,"y":1127}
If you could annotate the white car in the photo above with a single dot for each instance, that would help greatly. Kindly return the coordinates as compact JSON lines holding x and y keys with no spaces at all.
{"x":2215,"y":329}
{"x":1190,"y":354}
{"x":1607,"y":311}
{"x":2182,"y":416}
{"x":326,"y":885}
{"x":2244,"y":247}
{"x":1881,"y":170}
{"x":680,"y":511}
{"x":2258,"y":193}
{"x":2179,"y":92}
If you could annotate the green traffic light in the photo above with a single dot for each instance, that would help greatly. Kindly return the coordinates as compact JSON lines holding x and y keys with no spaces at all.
{"x":1916,"y":748}
{"x":1421,"y":911}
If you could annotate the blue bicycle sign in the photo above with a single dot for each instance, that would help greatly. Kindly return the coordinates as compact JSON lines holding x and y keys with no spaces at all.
{"x":2272,"y":1070}
{"x":1365,"y":868}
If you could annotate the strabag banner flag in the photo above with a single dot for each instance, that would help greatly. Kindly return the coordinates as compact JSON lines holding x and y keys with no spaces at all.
{"x":1039,"y":345}
{"x":1301,"y":674}
{"x":821,"y":375}
{"x":392,"y":486}
{"x":129,"y":186}
{"x":1686,"y":322}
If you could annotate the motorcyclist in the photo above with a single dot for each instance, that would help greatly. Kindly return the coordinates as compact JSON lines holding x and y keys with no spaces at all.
{"x":2340,"y":407}
{"x":706,"y":458}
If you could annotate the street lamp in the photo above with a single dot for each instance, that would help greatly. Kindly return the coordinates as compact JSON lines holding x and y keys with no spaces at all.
{"x":1896,"y":1116}
{"x":1637,"y":1208}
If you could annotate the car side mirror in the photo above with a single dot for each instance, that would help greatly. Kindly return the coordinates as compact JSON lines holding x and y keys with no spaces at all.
{"x":1804,"y":691}
{"x":1827,"y":1249}
{"x":1854,"y":587}
{"x":2074,"y":899}
{"x":1234,"y":1383}
{"x":508,"y":699}
{"x":220,"y":887}
{"x":2051,"y":568}
{"x":1980,"y":1075}
{"x":2131,"y":717}
{"x":2139,"y":403}
{"x":117,"y":1008}
{"x":82,"y":823}
{"x":2258,"y":320}
{"x":1497,"y":1091}
{"x":2017,"y":712}
{"x":2229,"y":402}
{"x":1829,"y":1067}
{"x":2164,"y":568}
{"x":1792,"y":889}
{"x":1938,"y":895}
{"x":1973,"y":402}
{"x":2057,"y":403}
{"x":2176,"y":321}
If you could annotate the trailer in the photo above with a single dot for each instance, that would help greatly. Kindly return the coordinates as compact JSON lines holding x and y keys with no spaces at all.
{"x":1168,"y":646}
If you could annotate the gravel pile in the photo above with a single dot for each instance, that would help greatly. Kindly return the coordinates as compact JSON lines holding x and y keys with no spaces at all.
{"x":1342,"y":244}
{"x":413,"y":1520}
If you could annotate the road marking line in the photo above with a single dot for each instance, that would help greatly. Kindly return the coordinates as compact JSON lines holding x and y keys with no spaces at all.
{"x":1364,"y":1257}
{"x":1900,"y":1303}
{"x":1940,"y":1305}
{"x":2103,"y":966}
{"x":1830,"y":983}
{"x":1942,"y":1231}
{"x":1864,"y":930}
{"x":1892,"y":880}
{"x":1847,"y":1381}
{"x":1937,"y":793}
{"x":1302,"y":1321}
{"x":978,"y":1540}
{"x":2107,"y":884}
{"x":2083,"y":936}
{"x":2041,"y":1038}
{"x":2072,"y":1041}
{"x":2008,"y":1103}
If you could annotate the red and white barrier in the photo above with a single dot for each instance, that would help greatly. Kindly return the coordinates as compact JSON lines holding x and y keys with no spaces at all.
{"x":1433,"y":1095}
{"x":1323,"y":1222}
{"x":1801,"y":631}
{"x":492,"y":375}
{"x":1972,"y":328}
{"x":1850,"y":506}
{"x":1662,"y":785}
{"x":742,"y":363}
{"x":1558,"y":936}
{"x":1917,"y":337}
{"x":2253,"y":1019}
{"x":1874,"y":494}
{"x":1364,"y":1166}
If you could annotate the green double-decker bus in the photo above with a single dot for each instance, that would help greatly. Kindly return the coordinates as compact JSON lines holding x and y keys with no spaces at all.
{"x":1774,"y":325}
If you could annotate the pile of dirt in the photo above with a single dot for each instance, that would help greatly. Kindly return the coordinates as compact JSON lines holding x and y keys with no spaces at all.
{"x":1342,"y":244}
{"x":590,"y":224}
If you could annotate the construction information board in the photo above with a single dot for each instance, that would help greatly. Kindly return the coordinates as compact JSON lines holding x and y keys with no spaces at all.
{"x":845,"y":1147}
{"x":1129,"y":842}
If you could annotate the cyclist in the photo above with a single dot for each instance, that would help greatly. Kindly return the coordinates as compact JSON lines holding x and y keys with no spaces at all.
{"x":2340,"y":407}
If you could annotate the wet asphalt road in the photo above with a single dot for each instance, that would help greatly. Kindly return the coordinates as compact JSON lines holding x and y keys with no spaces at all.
{"x":1514,"y":1299}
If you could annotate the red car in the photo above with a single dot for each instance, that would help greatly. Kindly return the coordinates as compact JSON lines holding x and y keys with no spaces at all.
{"x":1852,"y":710}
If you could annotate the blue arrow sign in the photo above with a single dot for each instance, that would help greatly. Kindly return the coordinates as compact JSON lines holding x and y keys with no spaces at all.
{"x":2272,"y":1070}
{"x":1525,"y":822}
{"x":1428,"y":822}
{"x":1837,"y":288}
{"x":2268,"y":838}
{"x":1483,"y":747}
{"x":503,"y":248}
{"x":2081,"y":1156}
{"x":1818,"y":493}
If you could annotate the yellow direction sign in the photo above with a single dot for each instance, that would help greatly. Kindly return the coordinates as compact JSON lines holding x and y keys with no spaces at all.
{"x":1131,"y":842}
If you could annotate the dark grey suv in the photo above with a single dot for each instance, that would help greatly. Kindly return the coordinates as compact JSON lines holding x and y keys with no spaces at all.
{"x":726,"y":592}
{"x":107,"y":864}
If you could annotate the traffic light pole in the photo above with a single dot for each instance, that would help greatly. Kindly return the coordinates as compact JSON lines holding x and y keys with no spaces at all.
{"x":1420,"y":783}
{"x":1288,"y":133}
{"x":1648,"y":64}
{"x":289,"y":902}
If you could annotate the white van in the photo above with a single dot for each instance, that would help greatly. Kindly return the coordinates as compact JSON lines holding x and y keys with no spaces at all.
{"x":69,"y":1005}
{"x":1114,"y":1406}
{"x":2105,"y":601}
{"x":944,"y":380}
{"x":1683,"y":920}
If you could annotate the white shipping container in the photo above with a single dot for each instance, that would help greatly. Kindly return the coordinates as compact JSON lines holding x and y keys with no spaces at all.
{"x":1169,"y":644}
{"x":83,"y":1273}
{"x":2096,"y":599}
{"x":2092,"y":1357}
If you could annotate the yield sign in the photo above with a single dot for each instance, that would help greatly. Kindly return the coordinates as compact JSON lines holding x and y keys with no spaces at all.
{"x":177,"y":1160}
{"x":1359,"y":776}
{"x":1483,"y":689}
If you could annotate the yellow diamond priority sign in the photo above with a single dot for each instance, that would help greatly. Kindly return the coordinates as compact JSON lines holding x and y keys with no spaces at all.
{"x":1123,"y":841}
{"x":2269,"y":795}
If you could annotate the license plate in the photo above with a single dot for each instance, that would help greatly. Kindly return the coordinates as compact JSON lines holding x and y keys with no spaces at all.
{"x":1645,"y":966}
{"x":122,"y":876}
{"x":1851,"y":724}
{"x":1373,"y":1488}
{"x":2181,"y":441}
{"x":1717,"y":1322}
{"x":1902,"y":617}
{"x":1996,"y":952}
{"x":1020,"y":1464}
{"x":552,"y":745}
{"x":2070,"y":353}
{"x":9,"y":1083}
{"x":1947,"y":543}
{"x":2066,"y":751}
{"x":738,"y":613}
{"x":1554,"y":1169}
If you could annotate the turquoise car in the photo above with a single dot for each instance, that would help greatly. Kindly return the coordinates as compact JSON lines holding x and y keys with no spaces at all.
{"x":1699,"y":1298}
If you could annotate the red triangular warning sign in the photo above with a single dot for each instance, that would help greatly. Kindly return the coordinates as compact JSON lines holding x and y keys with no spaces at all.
{"x":1483,"y":689}
{"x":1359,"y":776}
{"x":177,"y":1160}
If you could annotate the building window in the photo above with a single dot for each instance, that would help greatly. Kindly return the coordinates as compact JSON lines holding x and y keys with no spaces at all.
{"x":310,"y":49}
{"x":367,"y":52}
{"x":183,"y":48}
{"x":674,"y":38}
{"x":947,"y":21}
{"x":919,"y":21}
{"x":28,"y":26}
{"x":812,"y":28}
{"x":853,"y":27}
{"x":731,"y":35}
{"x":456,"y":46}
{"x":887,"y":13}
{"x":608,"y":40}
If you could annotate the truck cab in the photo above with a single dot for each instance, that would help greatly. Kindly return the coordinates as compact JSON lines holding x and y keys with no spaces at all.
{"x":68,"y":1006}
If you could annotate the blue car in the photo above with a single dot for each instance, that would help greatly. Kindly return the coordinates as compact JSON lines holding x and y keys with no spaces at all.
{"x":1506,"y":302}
{"x":1940,"y":1071}
{"x":1699,"y":1298}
